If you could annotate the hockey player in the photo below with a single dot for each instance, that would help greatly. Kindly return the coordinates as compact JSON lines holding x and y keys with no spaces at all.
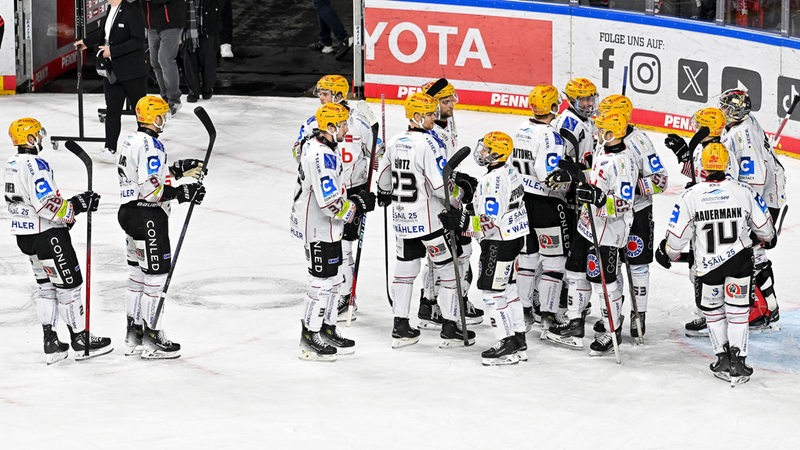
{"x":652,"y":179}
{"x":444,"y":129}
{"x":410,"y":178}
{"x":321,"y":209}
{"x":500,"y":223}
{"x":717,"y":216}
{"x":538,"y":148}
{"x":41,"y":219}
{"x":759,"y":167}
{"x":145,"y":193}
{"x":610,"y":194}
{"x":355,"y":151}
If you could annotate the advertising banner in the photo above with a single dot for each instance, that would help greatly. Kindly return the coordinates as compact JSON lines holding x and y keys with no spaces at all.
{"x":8,"y":68}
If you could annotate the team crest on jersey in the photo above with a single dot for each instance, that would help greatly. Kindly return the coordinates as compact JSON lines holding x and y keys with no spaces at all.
{"x":551,"y":161}
{"x":559,"y":140}
{"x":547,"y":242}
{"x":43,"y":188}
{"x":635,"y":246}
{"x":434,"y":251}
{"x":676,"y":213}
{"x":592,"y":266}
{"x":655,"y":163}
{"x":491,"y":206}
{"x":329,"y":161}
{"x":569,"y":123}
{"x":715,"y":292}
{"x":736,"y":291}
{"x":42,"y":164}
{"x":626,"y":191}
{"x":746,"y":166}
{"x":328,"y":186}
{"x":153,"y":164}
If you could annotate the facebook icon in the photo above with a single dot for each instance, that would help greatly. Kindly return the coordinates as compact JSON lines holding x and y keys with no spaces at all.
{"x":606,"y":63}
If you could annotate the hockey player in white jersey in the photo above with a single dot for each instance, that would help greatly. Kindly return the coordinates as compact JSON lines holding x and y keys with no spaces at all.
{"x":717,"y":216}
{"x":652,"y":180}
{"x":145,"y":192}
{"x":760,"y":168}
{"x":610,"y":194}
{"x":410,"y":179}
{"x":444,"y":129}
{"x":575,"y":123}
{"x":40,"y":220}
{"x":500,"y":223}
{"x":537,"y":151}
{"x":321,"y":209}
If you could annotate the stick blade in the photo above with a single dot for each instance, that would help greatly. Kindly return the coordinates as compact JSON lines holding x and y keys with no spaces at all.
{"x":201,"y":114}
{"x":78,"y":151}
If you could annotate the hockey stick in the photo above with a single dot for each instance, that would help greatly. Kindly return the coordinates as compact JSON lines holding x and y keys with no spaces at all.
{"x":786,"y":119}
{"x":447,"y":172}
{"x":624,"y":79}
{"x":698,"y":137}
{"x":634,"y":307}
{"x":780,"y":221}
{"x":361,"y":226}
{"x":212,"y":136}
{"x":385,"y":212}
{"x":76,"y":150}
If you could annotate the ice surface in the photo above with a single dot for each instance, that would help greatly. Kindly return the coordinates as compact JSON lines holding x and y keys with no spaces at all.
{"x":235,"y":304}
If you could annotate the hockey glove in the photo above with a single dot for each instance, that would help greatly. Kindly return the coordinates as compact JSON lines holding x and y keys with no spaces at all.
{"x":558,"y":180}
{"x":678,"y":146}
{"x":384,"y":198}
{"x":587,"y":193}
{"x":86,"y":201}
{"x":466,"y":185}
{"x":454,"y":219}
{"x":364,"y":201}
{"x":194,"y":192}
{"x":188,"y":168}
{"x":661,"y":255}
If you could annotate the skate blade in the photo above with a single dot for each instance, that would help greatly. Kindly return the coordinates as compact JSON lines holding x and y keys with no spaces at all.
{"x":79,"y":355}
{"x":724,"y":376}
{"x":523,"y":355}
{"x":343,"y":318}
{"x":545,"y":330}
{"x":135,"y":350}
{"x":474,"y":320}
{"x":404,"y":342}
{"x":771,"y":328}
{"x":735,"y":381}
{"x":53,"y":358}
{"x":693,"y":333}
{"x":507,"y":360}
{"x":601,"y":353}
{"x":156,"y":354}
{"x":451,"y":343}
{"x":344,"y":351}
{"x":425,"y":324}
{"x":567,"y":341}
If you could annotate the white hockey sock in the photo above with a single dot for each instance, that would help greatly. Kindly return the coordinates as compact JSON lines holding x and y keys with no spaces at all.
{"x":430,"y":285}
{"x":133,"y":296}
{"x":448,"y":298}
{"x":579,"y":290}
{"x":463,"y":266}
{"x":526,"y":278}
{"x":46,"y":304}
{"x":320,"y":299}
{"x":346,"y":268}
{"x":515,"y":308}
{"x":718,"y":328}
{"x":70,"y":306}
{"x":151,"y":292}
{"x":614,"y":299}
{"x":329,"y":297}
{"x":404,"y":274}
{"x":738,"y":327}
{"x":549,"y":291}
{"x":640,"y":273}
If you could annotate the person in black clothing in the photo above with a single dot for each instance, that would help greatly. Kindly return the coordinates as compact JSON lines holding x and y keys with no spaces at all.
{"x":200,"y":42}
{"x":226,"y":34}
{"x":165,"y":21}
{"x":121,"y":39}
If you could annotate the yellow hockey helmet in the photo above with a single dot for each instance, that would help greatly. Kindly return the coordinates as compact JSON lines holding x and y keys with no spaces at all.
{"x":617,"y":103}
{"x":331,"y":114}
{"x":446,"y":91}
{"x":713,"y":118}
{"x":149,"y":107}
{"x":495,"y":146}
{"x":582,"y":95}
{"x":21,"y":129}
{"x":420,"y":102}
{"x":544,"y":99}
{"x":337,"y":84}
{"x":612,"y":121}
{"x":714,"y":157}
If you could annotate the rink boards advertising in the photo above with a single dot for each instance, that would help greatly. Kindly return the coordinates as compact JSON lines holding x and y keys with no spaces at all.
{"x":8,"y":74}
{"x":495,"y":51}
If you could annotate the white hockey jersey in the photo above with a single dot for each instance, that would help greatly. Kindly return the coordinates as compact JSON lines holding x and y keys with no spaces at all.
{"x":652,"y":174}
{"x":500,"y":213}
{"x":756,"y":161}
{"x":320,"y":208}
{"x":411,"y":169}
{"x":582,"y":132}
{"x":732,"y":171}
{"x":616,"y":175}
{"x":34,"y":202}
{"x":717,"y":218}
{"x":537,"y":150}
{"x":143,"y":170}
{"x":445,"y":131}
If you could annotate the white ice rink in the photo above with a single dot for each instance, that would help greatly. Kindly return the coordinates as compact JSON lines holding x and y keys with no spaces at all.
{"x":235,"y":304}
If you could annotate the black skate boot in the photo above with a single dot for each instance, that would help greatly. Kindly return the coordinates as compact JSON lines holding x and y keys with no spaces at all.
{"x":342,"y":306}
{"x":133,"y":339}
{"x":522,"y":346}
{"x":314,"y":348}
{"x":569,"y":334}
{"x":722,"y":367}
{"x":474,"y":315}
{"x":527,"y":313}
{"x":586,"y":310}
{"x":603,"y":344}
{"x":155,"y":345}
{"x":740,"y":372}
{"x":430,"y":315}
{"x":402,"y":333}
{"x":98,"y":346}
{"x":452,"y":336}
{"x":599,"y":327}
{"x":766,"y":323}
{"x":696,"y":328}
{"x":548,"y":320}
{"x":331,"y":335}
{"x":634,"y":330}
{"x":504,"y":352}
{"x":54,"y":350}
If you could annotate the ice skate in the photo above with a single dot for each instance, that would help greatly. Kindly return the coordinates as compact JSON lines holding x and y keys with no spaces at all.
{"x":430,"y":316}
{"x":504,"y":352}
{"x":331,"y":335}
{"x":342,"y":306}
{"x":402,"y":333}
{"x":133,"y":338}
{"x":722,"y":367}
{"x":522,"y":346}
{"x":452,"y":336}
{"x":314,"y":348}
{"x":603,"y":344}
{"x":634,"y":330}
{"x":740,"y":371}
{"x":98,"y":346}
{"x":766,"y":323}
{"x":527,"y":312}
{"x":548,"y":319}
{"x":54,"y":350}
{"x":155,"y":345}
{"x":474,"y":315}
{"x":569,"y":334}
{"x":696,"y":328}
